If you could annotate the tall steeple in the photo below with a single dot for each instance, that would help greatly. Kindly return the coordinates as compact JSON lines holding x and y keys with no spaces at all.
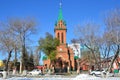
{"x":60,"y":27}
{"x":60,"y":17}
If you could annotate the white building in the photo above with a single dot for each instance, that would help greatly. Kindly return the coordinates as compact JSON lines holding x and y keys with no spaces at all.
{"x":76,"y":49}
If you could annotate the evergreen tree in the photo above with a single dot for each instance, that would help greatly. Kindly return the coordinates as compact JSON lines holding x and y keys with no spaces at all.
{"x":31,"y":60}
{"x":25,"y":58}
{"x":48,"y":45}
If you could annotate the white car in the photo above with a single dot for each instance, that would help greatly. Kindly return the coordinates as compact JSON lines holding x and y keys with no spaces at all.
{"x":97,"y":72}
{"x":35,"y":72}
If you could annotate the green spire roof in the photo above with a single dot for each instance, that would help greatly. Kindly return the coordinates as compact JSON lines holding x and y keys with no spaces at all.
{"x":60,"y":17}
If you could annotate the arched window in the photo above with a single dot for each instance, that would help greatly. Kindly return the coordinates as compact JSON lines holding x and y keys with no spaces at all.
{"x":62,"y":38}
{"x":59,"y":25}
{"x":58,"y":36}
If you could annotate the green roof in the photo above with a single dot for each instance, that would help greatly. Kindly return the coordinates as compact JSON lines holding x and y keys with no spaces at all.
{"x":76,"y":57}
{"x":44,"y":58}
{"x":60,"y":17}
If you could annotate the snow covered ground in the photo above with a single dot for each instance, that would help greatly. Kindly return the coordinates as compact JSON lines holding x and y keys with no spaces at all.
{"x":89,"y":77}
{"x":24,"y":78}
{"x":79,"y":77}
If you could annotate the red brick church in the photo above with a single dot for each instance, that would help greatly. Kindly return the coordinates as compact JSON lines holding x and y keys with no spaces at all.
{"x":64,"y":52}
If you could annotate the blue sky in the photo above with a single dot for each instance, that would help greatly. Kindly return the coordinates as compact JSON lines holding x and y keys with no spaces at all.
{"x":46,"y":13}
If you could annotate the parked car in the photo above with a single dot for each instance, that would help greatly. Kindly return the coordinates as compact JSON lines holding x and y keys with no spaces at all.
{"x":97,"y":72}
{"x":34,"y":72}
{"x":1,"y":73}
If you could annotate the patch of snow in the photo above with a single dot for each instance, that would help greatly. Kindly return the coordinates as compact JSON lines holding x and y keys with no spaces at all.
{"x":89,"y":77}
{"x":25,"y":78}
{"x":79,"y":77}
{"x":85,"y":76}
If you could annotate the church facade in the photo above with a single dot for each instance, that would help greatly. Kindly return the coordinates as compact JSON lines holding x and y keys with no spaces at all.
{"x":64,"y":53}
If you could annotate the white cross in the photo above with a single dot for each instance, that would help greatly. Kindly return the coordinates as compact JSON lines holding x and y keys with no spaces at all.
{"x":60,"y":4}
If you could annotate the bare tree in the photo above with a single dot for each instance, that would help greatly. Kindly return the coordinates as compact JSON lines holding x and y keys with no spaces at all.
{"x":6,"y":44}
{"x":22,"y":29}
{"x":37,"y":56}
{"x":18,"y":33}
{"x":88,"y":36}
{"x":112,"y":21}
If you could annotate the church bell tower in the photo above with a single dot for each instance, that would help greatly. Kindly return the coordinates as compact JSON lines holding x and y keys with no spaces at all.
{"x":60,"y":27}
